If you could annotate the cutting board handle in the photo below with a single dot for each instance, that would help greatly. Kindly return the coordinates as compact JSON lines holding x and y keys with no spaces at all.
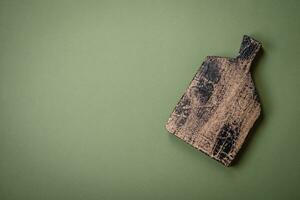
{"x":249,"y":48}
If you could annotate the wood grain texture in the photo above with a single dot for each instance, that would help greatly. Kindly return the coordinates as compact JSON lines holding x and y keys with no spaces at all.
{"x":219,"y":107}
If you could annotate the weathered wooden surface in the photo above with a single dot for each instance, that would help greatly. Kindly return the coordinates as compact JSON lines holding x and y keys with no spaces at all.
{"x":220,"y":105}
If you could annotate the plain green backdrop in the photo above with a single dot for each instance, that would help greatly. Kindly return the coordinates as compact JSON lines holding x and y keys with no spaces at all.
{"x":87,"y":86}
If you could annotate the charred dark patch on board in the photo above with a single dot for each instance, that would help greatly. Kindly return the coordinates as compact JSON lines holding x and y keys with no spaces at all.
{"x":205,"y":85}
{"x":211,"y":71}
{"x":248,"y":48}
{"x":225,"y":140}
{"x":204,"y":90}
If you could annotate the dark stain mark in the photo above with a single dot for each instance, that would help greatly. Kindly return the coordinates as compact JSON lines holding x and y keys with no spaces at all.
{"x":183,"y":109}
{"x":248,"y":48}
{"x":225,"y":140}
{"x":247,"y":52}
{"x":211,"y":71}
{"x":204,"y":90}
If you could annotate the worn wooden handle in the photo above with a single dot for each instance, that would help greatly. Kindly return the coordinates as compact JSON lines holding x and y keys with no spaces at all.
{"x":248,"y":50}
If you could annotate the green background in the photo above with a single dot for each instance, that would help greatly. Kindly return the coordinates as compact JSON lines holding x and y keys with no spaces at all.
{"x":87,"y":86}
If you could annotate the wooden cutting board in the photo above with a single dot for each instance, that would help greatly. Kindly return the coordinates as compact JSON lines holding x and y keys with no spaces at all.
{"x":219,"y":107}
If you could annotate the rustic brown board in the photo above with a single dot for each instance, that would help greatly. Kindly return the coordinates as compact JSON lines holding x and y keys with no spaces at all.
{"x":220,"y":105}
